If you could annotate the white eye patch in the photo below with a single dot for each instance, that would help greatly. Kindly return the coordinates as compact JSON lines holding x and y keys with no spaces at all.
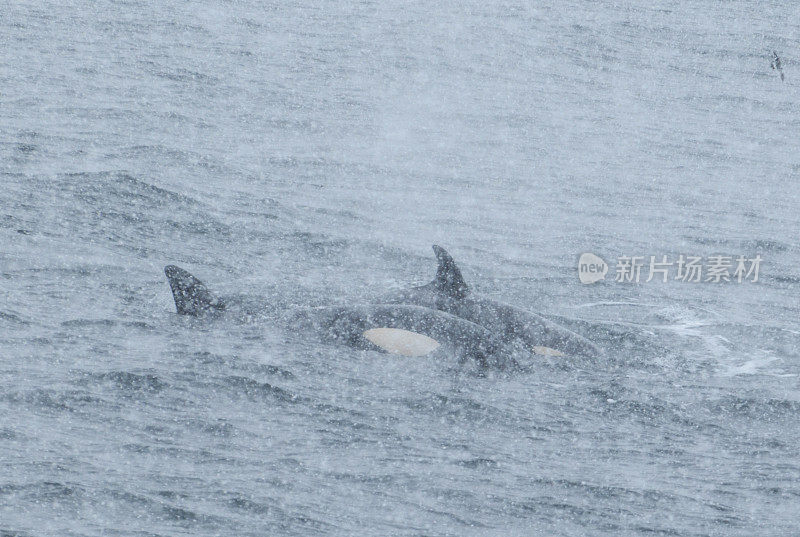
{"x":404,"y":342}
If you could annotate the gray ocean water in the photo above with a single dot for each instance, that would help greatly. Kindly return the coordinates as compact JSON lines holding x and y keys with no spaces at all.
{"x":310,"y":153}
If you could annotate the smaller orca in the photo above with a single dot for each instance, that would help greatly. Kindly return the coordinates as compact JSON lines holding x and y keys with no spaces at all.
{"x":403,"y":329}
{"x":449,"y":292}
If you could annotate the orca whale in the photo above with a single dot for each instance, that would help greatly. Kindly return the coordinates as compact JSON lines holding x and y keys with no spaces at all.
{"x":405,"y":329}
{"x":448,"y":292}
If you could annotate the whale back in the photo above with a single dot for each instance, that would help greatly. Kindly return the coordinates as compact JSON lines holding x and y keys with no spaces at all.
{"x":540,"y":335}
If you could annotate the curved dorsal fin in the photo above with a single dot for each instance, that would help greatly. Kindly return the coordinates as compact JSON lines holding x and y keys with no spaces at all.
{"x":191,"y":296}
{"x":448,"y":277}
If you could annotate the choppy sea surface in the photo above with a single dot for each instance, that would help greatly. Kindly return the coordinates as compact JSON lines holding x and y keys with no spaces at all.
{"x":310,"y":153}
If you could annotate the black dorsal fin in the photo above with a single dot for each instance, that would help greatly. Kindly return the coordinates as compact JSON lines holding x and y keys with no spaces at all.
{"x":448,"y":277}
{"x":191,"y":296}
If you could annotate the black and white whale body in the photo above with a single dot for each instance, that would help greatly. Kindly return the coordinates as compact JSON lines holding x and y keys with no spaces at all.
{"x":394,"y":328}
{"x":448,"y":292}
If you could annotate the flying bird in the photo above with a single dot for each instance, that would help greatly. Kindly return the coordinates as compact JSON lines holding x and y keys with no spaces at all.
{"x":776,"y":64}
